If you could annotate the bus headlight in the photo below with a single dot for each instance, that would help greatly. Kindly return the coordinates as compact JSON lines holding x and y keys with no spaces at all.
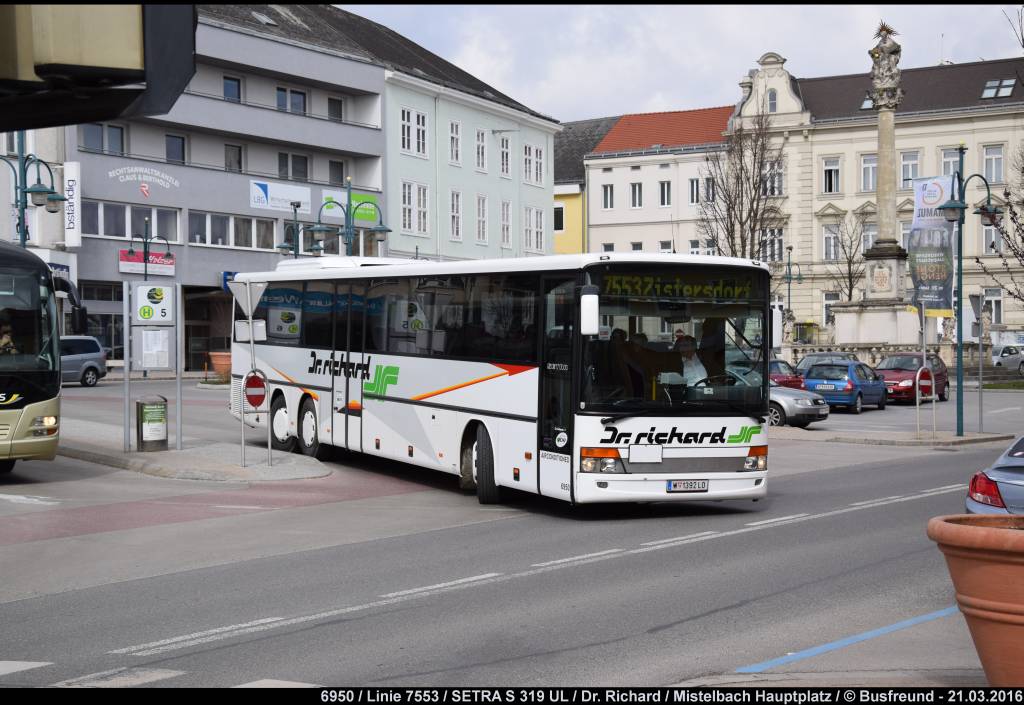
{"x":44,"y":425}
{"x":757,"y":458}
{"x":603,"y":460}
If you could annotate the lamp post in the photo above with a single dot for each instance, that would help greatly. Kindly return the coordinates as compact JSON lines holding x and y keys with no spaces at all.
{"x":41,"y":195}
{"x":296,"y":242}
{"x":145,"y":239}
{"x":953,"y":210}
{"x":788,"y":277}
{"x":348,"y":230}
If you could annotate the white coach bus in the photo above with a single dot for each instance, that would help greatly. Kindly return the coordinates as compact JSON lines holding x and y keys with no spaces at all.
{"x":590,"y":378}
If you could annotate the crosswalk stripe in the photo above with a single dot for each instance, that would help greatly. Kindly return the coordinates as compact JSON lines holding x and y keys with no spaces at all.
{"x":16,"y":666}
{"x":119,"y":678}
{"x":270,"y":683}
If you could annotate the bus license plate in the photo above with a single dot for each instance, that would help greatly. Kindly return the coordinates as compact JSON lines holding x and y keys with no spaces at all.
{"x":687,"y":485}
{"x":827,"y":386}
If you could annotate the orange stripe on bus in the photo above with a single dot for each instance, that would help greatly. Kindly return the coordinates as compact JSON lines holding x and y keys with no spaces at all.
{"x":310,"y":392}
{"x":420,"y":397}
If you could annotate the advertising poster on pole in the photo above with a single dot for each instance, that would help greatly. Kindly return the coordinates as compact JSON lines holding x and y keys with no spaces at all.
{"x":930,"y":247}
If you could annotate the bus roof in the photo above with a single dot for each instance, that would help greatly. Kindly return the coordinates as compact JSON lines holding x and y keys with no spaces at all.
{"x":360,"y":267}
{"x":11,"y":254}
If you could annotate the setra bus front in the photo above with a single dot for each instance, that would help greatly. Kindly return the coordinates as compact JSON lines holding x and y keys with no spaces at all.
{"x":672,"y":391}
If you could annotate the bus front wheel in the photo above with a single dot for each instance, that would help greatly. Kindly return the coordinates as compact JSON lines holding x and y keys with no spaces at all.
{"x":309,"y":443}
{"x":280,"y":438}
{"x":487,"y":492}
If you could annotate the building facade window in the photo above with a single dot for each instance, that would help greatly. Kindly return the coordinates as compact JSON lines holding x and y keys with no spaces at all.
{"x":506,"y":157}
{"x":950,"y":161}
{"x":233,"y":158}
{"x":665,"y":246}
{"x":506,"y":223}
{"x":773,"y":100}
{"x":830,"y":234}
{"x":994,"y":163}
{"x":905,"y":234}
{"x":992,"y":241}
{"x":336,"y":172}
{"x":291,"y":101}
{"x":607,"y":247}
{"x":709,"y":190}
{"x":481,"y":219}
{"x":407,"y":206}
{"x":999,"y":88}
{"x":994,"y":298}
{"x":455,"y":212}
{"x":636,"y":246}
{"x":771,"y":181}
{"x":538,"y":166}
{"x":175,"y":149}
{"x":454,"y":142}
{"x":830,"y":175}
{"x":527,"y":162}
{"x":910,"y":163}
{"x":101,"y":137}
{"x":636,"y":195}
{"x":421,"y":134}
{"x":559,"y":218}
{"x":422,"y":210}
{"x":406,"y":130}
{"x":829,"y":298}
{"x":694,"y":191}
{"x":292,"y":166}
{"x":481,"y":150}
{"x":869,"y":234}
{"x":538,"y":229}
{"x":414,"y":132}
{"x":665,"y":192}
{"x":233,"y":89}
{"x":9,"y":142}
{"x":117,"y":220}
{"x":336,"y":109}
{"x":608,"y":196}
{"x":771,"y":249}
{"x":223,"y":230}
{"x":868,"y":172}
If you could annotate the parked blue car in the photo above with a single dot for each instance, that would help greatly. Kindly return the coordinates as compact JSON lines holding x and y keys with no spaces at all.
{"x":847,"y":383}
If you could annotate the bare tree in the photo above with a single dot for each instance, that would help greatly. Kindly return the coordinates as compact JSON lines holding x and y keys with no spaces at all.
{"x":1018,"y":27}
{"x":741,"y":182}
{"x":846,"y":269}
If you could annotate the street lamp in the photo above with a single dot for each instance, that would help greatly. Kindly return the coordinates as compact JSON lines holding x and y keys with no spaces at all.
{"x":348,"y":232}
{"x":297,"y":231}
{"x":145,"y":239}
{"x":953,"y":210}
{"x":40,"y":194}
{"x":788,"y":277}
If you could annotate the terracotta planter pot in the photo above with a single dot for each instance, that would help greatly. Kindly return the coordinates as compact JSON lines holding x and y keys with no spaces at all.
{"x":221,"y":362}
{"x":985,"y":556}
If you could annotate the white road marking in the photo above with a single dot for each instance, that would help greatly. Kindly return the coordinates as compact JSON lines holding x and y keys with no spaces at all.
{"x":577,"y":558}
{"x":268,"y":683}
{"x":772,"y":521}
{"x":27,"y":499}
{"x":119,"y":678}
{"x":189,"y":637}
{"x":944,"y":488}
{"x":872,"y":501}
{"x":235,"y":506}
{"x":16,"y":666}
{"x":1001,"y":411}
{"x":425,"y":588}
{"x":678,"y":538}
{"x":232,"y":632}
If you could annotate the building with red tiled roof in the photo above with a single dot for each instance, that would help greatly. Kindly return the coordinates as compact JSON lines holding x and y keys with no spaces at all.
{"x":677,"y":128}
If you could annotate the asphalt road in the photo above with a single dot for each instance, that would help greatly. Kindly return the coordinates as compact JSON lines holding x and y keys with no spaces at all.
{"x":121,"y":579}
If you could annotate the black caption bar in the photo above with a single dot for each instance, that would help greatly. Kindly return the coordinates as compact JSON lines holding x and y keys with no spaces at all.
{"x":668,"y":696}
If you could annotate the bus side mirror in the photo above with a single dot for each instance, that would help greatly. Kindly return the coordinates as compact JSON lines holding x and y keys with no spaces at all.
{"x":79,"y":320}
{"x":590,"y":318}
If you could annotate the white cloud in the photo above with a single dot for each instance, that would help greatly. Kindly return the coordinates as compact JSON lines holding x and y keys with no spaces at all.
{"x":576,"y":62}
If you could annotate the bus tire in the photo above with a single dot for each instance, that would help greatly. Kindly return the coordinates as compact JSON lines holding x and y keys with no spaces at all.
{"x":6,"y":466}
{"x":308,"y":442}
{"x":466,"y":481}
{"x":487,"y":492}
{"x":279,"y":425}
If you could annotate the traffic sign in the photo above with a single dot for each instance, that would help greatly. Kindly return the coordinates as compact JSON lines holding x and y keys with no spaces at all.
{"x":255,"y":389}
{"x":238,"y":289}
{"x":154,"y":305}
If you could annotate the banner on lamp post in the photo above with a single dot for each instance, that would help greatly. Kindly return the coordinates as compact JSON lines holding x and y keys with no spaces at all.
{"x":930,"y":247}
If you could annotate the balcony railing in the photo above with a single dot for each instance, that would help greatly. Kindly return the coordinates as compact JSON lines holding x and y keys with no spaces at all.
{"x":265,"y":106}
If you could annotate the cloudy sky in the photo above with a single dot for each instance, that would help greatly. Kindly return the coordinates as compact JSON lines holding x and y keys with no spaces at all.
{"x":576,"y":61}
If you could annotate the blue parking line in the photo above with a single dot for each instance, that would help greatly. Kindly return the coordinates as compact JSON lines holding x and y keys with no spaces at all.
{"x":832,"y":646}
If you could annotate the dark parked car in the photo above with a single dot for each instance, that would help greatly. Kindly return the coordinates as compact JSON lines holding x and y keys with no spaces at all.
{"x":845,"y":383}
{"x":821,"y":358}
{"x":1000,"y":488}
{"x":783,"y":374}
{"x":900,"y":370}
{"x":82,"y":359}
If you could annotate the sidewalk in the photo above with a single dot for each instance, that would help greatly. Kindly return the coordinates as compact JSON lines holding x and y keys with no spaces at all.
{"x":884,"y":438}
{"x":934,"y":653}
{"x":102,"y":443}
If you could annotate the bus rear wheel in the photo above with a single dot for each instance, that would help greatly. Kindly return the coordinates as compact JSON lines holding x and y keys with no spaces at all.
{"x":487,"y":492}
{"x":309,"y":443}
{"x":280,"y":439}
{"x":6,"y":466}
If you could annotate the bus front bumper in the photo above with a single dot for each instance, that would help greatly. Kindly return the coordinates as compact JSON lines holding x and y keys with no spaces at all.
{"x":17,"y":435}
{"x":618,"y":487}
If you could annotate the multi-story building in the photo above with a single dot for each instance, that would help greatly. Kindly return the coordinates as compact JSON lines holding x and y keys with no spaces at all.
{"x":647,"y":179}
{"x":827,"y":129}
{"x":572,"y":144}
{"x":290,"y":104}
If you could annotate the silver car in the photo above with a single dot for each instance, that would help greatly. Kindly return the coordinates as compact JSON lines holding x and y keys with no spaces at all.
{"x":999,"y":489}
{"x":82,"y":359}
{"x":796,"y":407}
{"x":1008,"y":356}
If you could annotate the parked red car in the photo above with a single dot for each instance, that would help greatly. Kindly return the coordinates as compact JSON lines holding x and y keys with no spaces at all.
{"x":783,"y":374}
{"x":899,"y":371}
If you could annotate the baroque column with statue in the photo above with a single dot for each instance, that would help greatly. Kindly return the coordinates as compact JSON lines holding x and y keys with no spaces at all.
{"x":882,"y":317}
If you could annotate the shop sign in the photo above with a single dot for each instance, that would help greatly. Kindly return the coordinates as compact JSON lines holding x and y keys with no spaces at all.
{"x":267,"y":195}
{"x":159,"y":264}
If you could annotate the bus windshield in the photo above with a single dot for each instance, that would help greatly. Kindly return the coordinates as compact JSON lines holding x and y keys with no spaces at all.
{"x":28,"y":322}
{"x":690,"y":340}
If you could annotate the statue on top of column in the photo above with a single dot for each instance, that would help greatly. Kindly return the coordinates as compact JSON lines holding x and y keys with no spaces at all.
{"x":885,"y":72}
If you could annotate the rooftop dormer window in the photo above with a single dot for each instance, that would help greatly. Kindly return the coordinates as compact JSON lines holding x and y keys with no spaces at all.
{"x":998,"y":88}
{"x":867,"y":103}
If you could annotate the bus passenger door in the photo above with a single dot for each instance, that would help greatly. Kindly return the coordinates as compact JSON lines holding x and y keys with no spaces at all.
{"x":348,"y":383}
{"x":554,"y":418}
